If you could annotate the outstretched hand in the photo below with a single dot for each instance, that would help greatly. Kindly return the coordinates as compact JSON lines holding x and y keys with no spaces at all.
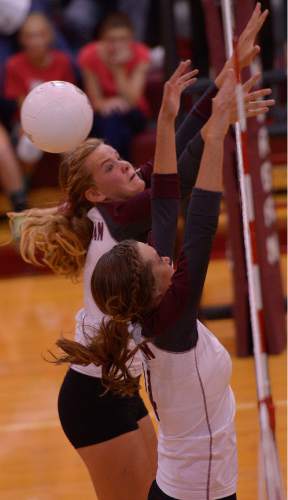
{"x":253,"y":101}
{"x":173,"y":88}
{"x":246,"y":47}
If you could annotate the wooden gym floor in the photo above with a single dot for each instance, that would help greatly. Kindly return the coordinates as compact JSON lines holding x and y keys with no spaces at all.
{"x":36,"y":460}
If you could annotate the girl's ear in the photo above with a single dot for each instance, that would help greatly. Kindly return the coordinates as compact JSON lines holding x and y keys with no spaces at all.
{"x":92,"y":194}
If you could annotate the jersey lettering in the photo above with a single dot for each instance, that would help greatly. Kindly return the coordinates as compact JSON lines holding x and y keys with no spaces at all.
{"x":98,"y":231}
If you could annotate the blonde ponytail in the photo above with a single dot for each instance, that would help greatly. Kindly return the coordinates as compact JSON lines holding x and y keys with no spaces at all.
{"x":108,"y":348}
{"x":59,"y":237}
{"x":52,"y":238}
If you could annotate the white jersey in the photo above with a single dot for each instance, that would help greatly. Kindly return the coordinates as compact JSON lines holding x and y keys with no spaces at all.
{"x":89,"y":318}
{"x":191,"y":395}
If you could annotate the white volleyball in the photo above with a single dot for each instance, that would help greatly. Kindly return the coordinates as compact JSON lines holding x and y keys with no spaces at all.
{"x":12,"y":15}
{"x":56,"y":116}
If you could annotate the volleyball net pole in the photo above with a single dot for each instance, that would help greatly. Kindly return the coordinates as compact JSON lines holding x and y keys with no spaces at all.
{"x":268,"y":448}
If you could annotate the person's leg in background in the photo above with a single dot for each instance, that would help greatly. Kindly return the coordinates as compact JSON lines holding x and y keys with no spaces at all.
{"x":11,"y":178}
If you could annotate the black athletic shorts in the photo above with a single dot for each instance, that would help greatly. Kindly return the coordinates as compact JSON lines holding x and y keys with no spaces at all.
{"x":156,"y":494}
{"x":89,"y":417}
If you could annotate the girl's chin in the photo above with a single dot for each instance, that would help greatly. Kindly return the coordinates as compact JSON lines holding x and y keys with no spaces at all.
{"x":139,"y":186}
{"x":138,"y":182}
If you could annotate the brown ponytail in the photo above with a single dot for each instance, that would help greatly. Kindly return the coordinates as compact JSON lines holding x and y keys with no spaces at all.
{"x":108,"y":349}
{"x":122,"y":287}
{"x":59,"y":237}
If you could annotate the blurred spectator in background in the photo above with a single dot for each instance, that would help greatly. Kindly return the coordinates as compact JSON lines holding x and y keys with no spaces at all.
{"x":79,"y":18}
{"x":52,"y":9}
{"x":12,"y":16}
{"x":35,"y":64}
{"x":11,"y":179}
{"x":114,"y":71}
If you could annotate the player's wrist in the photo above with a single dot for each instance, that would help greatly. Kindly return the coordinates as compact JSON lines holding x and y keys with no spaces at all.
{"x":213,"y":132}
{"x":166,"y":116}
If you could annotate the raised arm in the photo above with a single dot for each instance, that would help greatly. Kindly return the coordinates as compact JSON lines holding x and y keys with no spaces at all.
{"x":189,"y":143}
{"x":174,"y":323}
{"x":189,"y":140}
{"x":246,"y":47}
{"x":247,"y":51}
{"x":189,"y":161}
{"x":131,"y":218}
{"x":165,"y":191}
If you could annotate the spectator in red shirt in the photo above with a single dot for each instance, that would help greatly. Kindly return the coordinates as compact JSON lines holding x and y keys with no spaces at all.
{"x":114,"y":70}
{"x":35,"y":64}
{"x":38,"y":62}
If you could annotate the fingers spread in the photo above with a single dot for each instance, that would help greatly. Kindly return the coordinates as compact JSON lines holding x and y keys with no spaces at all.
{"x":256,"y":112}
{"x":188,"y":75}
{"x":257,"y":94}
{"x":188,"y":83}
{"x":256,"y":21}
{"x":181,"y":68}
{"x":259,"y":104}
{"x":262,"y":19}
{"x":255,"y":16}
